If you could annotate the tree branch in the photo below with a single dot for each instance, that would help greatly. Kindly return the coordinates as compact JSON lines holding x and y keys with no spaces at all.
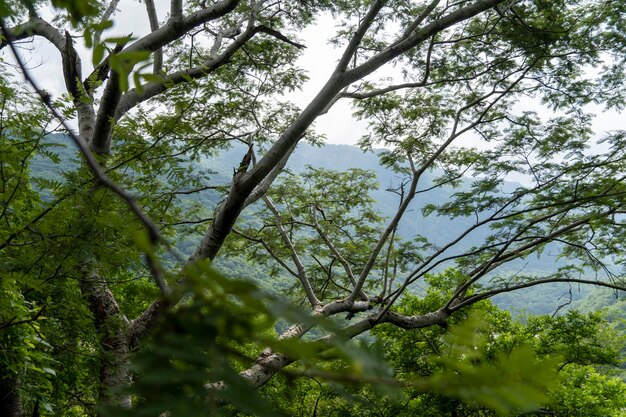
{"x":176,"y":9}
{"x":436,"y":26}
{"x":101,"y":300}
{"x":36,"y":26}
{"x":269,"y":250}
{"x":174,"y":29}
{"x":502,"y":256}
{"x":418,"y":20}
{"x":105,"y":16}
{"x":335,"y":252}
{"x":154,"y":25}
{"x":378,"y":92}
{"x":268,"y":364}
{"x":72,"y":72}
{"x":490,"y":293}
{"x":153,"y":231}
{"x":240,"y":190}
{"x":354,"y":43}
{"x":140,"y":327}
{"x":302,"y":275}
{"x":151,"y":89}
{"x":262,"y":188}
{"x":276,"y":34}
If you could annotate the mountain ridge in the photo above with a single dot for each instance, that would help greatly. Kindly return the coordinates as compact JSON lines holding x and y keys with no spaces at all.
{"x":436,"y":229}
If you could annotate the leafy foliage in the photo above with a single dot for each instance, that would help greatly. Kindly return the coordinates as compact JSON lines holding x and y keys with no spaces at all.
{"x":100,"y":313}
{"x":472,"y":365}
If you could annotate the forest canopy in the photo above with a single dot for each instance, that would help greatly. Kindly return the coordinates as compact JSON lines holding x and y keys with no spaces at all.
{"x":144,"y":273}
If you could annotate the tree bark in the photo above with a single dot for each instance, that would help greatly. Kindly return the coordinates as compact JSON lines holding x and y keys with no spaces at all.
{"x":114,"y":367}
{"x":10,"y":401}
{"x":113,"y":332}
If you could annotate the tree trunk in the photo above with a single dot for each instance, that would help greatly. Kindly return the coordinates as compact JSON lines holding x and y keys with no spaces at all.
{"x":114,"y":367}
{"x":10,"y":401}
{"x":113,"y":331}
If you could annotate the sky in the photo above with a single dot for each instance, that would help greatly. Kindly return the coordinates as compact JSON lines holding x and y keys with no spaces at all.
{"x":338,"y":125}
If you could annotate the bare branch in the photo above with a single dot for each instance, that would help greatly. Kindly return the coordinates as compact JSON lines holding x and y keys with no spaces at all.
{"x":176,"y":9}
{"x":154,"y":25}
{"x":302,"y":275}
{"x":490,"y":293}
{"x":105,"y":16}
{"x":36,"y":26}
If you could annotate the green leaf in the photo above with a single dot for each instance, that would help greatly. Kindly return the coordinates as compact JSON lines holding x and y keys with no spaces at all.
{"x":98,"y":54}
{"x":152,"y":77}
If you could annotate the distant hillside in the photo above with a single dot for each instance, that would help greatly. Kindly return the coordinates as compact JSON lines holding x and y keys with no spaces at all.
{"x":439,"y":230}
{"x":343,"y":157}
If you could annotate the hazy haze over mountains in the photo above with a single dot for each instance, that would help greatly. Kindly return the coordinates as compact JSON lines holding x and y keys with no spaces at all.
{"x":438,"y":230}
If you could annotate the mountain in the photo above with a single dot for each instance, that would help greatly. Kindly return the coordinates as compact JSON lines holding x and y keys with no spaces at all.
{"x":343,"y":157}
{"x":438,"y":230}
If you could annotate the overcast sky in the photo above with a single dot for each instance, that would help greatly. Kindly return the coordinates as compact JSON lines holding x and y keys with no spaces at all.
{"x":318,"y":59}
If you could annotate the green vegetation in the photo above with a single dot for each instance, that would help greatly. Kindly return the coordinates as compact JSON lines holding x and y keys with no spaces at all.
{"x":485,"y":350}
{"x":175,"y":241}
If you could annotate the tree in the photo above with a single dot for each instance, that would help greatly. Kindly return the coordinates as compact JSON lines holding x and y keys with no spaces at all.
{"x":578,"y":341}
{"x":78,"y":250}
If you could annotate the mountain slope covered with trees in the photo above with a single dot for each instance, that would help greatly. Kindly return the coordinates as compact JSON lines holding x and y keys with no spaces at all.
{"x":341,"y":158}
